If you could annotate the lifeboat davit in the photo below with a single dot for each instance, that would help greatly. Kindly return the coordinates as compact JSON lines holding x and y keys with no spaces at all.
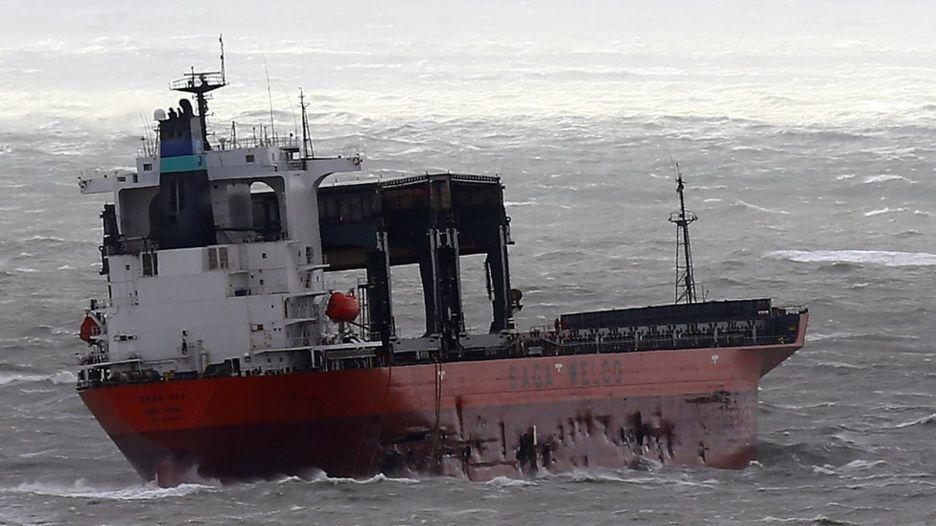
{"x":342,"y":307}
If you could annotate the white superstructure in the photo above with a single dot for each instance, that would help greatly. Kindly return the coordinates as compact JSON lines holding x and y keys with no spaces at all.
{"x":213,"y":257}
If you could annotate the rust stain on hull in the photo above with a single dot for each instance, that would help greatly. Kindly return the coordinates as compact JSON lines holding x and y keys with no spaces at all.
{"x":612,"y":434}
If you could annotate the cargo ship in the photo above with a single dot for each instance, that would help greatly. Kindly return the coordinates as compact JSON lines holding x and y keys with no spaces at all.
{"x":221,"y":352}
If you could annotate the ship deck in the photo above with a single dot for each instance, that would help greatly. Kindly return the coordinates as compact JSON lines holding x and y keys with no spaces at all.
{"x":702,"y":326}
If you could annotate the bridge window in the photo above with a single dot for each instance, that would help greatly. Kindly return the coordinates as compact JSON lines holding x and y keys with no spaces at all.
{"x":218,"y":258}
{"x":266,"y":213}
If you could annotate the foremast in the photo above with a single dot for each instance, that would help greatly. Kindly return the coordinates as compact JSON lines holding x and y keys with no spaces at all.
{"x":685,"y":290}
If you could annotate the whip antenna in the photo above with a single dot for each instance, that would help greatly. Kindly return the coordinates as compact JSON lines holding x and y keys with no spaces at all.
{"x":223,"y":77}
{"x":307,"y":152}
{"x":270,"y":98}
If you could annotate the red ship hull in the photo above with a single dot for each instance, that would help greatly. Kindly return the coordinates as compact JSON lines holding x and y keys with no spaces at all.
{"x":478,"y":419}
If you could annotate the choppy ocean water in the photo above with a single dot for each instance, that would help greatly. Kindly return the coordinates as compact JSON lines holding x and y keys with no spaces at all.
{"x":810,"y":160}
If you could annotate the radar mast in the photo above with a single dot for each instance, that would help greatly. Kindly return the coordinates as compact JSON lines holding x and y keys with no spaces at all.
{"x":200,"y":83}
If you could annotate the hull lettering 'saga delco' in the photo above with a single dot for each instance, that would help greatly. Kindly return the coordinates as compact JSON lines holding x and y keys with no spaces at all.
{"x":220,"y":351}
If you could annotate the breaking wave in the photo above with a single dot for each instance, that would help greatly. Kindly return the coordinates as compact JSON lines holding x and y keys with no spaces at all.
{"x":803,"y":454}
{"x":872,"y":257}
{"x":507,"y":482}
{"x":318,"y":477}
{"x":919,"y":421}
{"x":648,"y":473}
{"x":7,"y":378}
{"x":80,"y":489}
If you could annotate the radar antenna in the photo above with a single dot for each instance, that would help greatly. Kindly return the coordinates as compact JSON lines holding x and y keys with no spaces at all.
{"x":200,"y":83}
{"x":685,"y":277}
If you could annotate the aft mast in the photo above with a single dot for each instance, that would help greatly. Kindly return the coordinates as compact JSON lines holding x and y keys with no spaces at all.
{"x":199,"y":84}
{"x":685,"y":277}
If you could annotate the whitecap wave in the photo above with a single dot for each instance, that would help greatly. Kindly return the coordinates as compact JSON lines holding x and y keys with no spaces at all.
{"x":507,"y":482}
{"x":628,"y":478}
{"x":871,"y":257}
{"x":293,"y":478}
{"x":818,"y":519}
{"x":762,"y":208}
{"x":819,"y":336}
{"x":651,"y":477}
{"x":470,"y":511}
{"x":797,"y":407}
{"x":883,"y":178}
{"x":81,"y":489}
{"x":39,"y":238}
{"x":885,"y":210}
{"x":61,"y":377}
{"x":840,"y":365}
{"x":380,"y":477}
{"x":317,"y":476}
{"x":918,"y":421}
{"x":8,"y":378}
{"x":859,"y":464}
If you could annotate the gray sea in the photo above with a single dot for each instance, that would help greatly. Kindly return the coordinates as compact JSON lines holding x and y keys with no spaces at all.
{"x":805,"y":131}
